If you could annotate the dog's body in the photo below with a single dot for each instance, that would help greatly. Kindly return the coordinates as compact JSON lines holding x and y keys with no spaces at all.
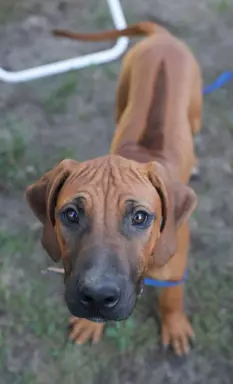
{"x":160,"y":84}
{"x":158,"y":110}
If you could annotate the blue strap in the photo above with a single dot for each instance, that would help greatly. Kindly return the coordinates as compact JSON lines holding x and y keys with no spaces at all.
{"x":219,"y":82}
{"x":163,"y":283}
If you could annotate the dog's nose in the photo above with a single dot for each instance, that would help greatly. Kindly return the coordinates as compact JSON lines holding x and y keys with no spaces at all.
{"x":102,"y":296}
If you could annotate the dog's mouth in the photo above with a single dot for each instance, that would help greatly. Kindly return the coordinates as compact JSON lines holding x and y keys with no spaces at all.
{"x":97,"y":320}
{"x":103,"y":319}
{"x":98,"y":315}
{"x":139,"y":291}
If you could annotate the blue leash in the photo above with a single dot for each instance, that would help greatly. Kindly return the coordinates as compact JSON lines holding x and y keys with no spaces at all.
{"x":218,"y":83}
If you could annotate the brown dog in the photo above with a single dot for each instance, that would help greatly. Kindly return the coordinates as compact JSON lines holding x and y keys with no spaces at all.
{"x":118,"y":218}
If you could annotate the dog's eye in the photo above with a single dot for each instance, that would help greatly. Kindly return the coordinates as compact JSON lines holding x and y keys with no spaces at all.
{"x":71,"y":216}
{"x":140,"y":218}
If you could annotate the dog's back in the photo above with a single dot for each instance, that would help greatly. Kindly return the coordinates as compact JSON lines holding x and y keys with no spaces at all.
{"x":159,"y":102}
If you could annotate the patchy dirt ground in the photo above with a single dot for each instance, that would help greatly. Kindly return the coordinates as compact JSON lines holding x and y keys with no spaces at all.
{"x":73,"y":116}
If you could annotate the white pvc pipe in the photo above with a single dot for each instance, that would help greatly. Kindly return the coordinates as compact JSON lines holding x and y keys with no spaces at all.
{"x":78,"y":62}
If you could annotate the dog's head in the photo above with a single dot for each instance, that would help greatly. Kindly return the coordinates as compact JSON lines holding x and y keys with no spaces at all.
{"x":107,"y":219}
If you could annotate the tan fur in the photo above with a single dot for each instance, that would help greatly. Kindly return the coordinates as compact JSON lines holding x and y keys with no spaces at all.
{"x":158,"y":110}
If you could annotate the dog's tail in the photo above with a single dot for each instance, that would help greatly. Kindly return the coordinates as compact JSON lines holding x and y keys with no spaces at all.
{"x":146,"y":28}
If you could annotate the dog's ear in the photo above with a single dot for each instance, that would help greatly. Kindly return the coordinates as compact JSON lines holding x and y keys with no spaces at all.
{"x":178,"y":202}
{"x":42,"y":197}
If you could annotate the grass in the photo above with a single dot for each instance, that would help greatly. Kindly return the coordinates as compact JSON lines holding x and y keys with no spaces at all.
{"x":212,"y":318}
{"x":111,"y":71}
{"x":102,"y":17}
{"x":19,"y":165}
{"x":12,"y":151}
{"x":57,"y":101}
{"x":9,"y":11}
{"x":222,"y":6}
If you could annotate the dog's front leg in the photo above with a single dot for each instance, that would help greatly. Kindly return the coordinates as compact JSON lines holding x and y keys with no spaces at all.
{"x":82,"y":330}
{"x":176,"y":328}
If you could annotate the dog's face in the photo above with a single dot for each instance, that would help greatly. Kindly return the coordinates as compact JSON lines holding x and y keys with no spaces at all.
{"x":104,"y":218}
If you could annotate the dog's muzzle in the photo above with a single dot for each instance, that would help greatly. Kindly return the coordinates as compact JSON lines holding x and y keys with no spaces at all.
{"x":112,"y":298}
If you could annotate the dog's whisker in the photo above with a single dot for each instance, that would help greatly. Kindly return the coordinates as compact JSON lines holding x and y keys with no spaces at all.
{"x":58,"y":271}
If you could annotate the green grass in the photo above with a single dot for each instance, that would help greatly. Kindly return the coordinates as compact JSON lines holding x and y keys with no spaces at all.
{"x":19,"y":164}
{"x":222,"y":6}
{"x":111,"y":71}
{"x":12,"y":151}
{"x":213,"y":318}
{"x":9,"y":11}
{"x":102,"y":17}
{"x":57,"y":100}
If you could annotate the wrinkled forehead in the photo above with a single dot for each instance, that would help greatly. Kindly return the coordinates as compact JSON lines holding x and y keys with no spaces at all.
{"x":109,"y":178}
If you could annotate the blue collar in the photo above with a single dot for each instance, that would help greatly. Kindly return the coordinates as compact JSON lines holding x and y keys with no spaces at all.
{"x":163,"y":283}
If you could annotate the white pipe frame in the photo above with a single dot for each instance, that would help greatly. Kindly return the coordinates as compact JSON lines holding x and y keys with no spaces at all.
{"x":75,"y":63}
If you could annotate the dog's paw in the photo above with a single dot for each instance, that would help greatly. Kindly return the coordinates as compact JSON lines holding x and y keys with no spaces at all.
{"x":82,"y":330}
{"x":177,"y":332}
